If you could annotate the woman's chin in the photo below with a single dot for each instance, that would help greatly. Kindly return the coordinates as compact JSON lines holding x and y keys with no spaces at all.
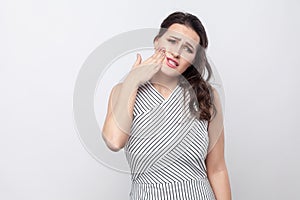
{"x":165,"y":69}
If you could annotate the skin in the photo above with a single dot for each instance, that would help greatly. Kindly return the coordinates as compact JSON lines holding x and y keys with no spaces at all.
{"x":116,"y":128}
{"x":180,"y":43}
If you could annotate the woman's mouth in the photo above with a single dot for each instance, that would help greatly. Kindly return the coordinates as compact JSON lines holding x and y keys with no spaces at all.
{"x":172,"y":63}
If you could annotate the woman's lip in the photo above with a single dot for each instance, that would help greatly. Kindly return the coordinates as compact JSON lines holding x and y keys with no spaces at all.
{"x":173,"y":61}
{"x":172,"y":66}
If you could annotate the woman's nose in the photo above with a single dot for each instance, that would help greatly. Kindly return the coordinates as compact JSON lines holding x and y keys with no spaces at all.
{"x":175,"y":54}
{"x":176,"y":51}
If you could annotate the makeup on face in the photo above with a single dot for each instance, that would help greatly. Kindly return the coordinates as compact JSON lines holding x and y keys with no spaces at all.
{"x":179,"y":45}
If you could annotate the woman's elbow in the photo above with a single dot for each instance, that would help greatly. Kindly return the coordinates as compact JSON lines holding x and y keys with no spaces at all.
{"x":114,"y":143}
{"x":216,"y":167}
{"x":114,"y":147}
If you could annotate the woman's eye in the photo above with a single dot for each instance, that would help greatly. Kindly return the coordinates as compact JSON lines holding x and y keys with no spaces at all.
{"x":188,"y":49}
{"x":172,"y":41}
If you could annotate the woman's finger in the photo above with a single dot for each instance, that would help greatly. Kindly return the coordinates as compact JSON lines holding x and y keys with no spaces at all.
{"x":157,"y":53}
{"x":162,"y":58}
{"x":154,"y":58}
{"x":138,"y":60}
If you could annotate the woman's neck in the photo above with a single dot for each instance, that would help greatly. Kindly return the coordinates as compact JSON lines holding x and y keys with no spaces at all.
{"x":164,"y":83}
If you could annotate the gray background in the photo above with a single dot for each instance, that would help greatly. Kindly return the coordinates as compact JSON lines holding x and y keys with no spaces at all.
{"x":254,"y":45}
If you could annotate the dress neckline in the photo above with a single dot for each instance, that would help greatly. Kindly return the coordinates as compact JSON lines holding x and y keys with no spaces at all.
{"x":160,"y":95}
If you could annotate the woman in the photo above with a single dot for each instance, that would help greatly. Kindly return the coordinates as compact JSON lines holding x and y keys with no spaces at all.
{"x":168,"y":118}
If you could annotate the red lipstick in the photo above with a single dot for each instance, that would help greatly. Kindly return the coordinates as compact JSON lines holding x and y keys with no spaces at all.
{"x":172,"y":63}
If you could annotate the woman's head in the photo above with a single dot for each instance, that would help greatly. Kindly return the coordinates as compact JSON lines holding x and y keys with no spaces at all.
{"x":188,"y":20}
{"x":188,"y":27}
{"x":181,"y":45}
{"x":185,"y":40}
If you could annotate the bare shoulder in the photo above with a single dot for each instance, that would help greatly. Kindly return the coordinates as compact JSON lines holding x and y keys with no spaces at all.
{"x":112,"y":96}
{"x":117,"y":87}
{"x":115,"y":91}
{"x":216,"y":100}
{"x":116,"y":96}
{"x":215,"y":95}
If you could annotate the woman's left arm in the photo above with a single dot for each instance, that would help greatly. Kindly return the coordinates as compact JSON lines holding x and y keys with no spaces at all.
{"x":217,"y":172}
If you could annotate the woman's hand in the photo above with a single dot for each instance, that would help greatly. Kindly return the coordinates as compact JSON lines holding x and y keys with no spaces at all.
{"x":144,"y":71}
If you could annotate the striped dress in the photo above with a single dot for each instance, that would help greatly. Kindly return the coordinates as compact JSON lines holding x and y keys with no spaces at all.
{"x":167,"y":148}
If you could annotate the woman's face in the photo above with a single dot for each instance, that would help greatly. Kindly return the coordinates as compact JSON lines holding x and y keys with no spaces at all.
{"x":181,"y":44}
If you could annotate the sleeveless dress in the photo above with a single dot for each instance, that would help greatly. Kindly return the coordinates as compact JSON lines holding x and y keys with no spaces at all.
{"x":167,"y":148}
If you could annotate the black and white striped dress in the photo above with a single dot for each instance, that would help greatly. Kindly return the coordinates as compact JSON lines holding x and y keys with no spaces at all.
{"x":167,"y":148}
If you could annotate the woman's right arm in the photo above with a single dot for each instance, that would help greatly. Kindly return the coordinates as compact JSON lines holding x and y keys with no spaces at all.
{"x":117,"y":125}
{"x":116,"y":128}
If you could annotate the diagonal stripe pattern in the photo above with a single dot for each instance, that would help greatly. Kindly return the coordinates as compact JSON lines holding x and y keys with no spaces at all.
{"x":167,"y":148}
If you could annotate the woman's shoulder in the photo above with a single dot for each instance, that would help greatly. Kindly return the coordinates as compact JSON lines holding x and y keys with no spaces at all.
{"x":216,"y":98}
{"x":117,"y":86}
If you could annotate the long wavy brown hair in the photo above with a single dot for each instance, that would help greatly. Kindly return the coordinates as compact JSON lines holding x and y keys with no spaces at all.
{"x":193,"y":78}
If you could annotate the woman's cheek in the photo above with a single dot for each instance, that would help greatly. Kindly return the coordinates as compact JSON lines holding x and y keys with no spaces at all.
{"x":164,"y":45}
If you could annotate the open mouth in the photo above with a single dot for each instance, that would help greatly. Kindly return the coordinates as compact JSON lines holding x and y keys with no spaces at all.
{"x":172,"y":63}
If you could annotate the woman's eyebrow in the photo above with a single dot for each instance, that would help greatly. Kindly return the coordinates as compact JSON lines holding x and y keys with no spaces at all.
{"x":180,"y":39}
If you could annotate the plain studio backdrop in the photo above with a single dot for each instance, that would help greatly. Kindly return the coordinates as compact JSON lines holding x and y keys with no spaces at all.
{"x":254,"y":45}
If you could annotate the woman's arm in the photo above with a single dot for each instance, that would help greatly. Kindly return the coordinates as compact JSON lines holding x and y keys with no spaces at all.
{"x":117,"y":125}
{"x":217,"y":171}
{"x":116,"y":128}
{"x":215,"y":161}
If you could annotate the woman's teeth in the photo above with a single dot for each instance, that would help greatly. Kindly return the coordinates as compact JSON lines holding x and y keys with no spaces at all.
{"x":172,"y":63}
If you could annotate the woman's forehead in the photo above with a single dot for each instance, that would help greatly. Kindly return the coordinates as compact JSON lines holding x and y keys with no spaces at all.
{"x":183,"y":32}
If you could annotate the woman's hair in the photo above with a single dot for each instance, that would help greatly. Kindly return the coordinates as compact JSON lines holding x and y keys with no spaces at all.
{"x":192,"y":78}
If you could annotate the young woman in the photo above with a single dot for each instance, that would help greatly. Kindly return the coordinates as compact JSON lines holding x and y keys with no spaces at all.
{"x":169,"y":120}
